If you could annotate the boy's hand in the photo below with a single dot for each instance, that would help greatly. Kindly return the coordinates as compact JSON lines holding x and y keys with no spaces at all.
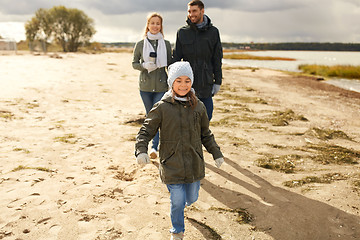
{"x":218,"y":162}
{"x":143,"y":159}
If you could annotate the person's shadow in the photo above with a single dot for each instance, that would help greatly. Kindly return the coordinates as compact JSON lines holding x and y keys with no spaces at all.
{"x":284,"y":214}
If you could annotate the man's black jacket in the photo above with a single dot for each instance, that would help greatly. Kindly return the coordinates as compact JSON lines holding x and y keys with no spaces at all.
{"x":202,"y":49}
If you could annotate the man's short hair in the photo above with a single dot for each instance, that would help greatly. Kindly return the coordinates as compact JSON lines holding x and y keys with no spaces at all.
{"x":198,"y":3}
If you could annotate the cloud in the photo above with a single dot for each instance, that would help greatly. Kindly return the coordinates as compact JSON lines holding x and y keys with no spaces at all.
{"x":254,"y":6}
{"x":23,"y":7}
{"x":325,"y":21}
{"x":237,"y":20}
{"x":12,"y":30}
{"x":354,"y":2}
{"x":126,"y":7}
{"x":135,"y":6}
{"x":130,"y":27}
{"x":115,"y":7}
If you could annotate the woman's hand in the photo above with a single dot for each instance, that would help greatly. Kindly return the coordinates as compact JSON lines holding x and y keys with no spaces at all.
{"x":150,"y":66}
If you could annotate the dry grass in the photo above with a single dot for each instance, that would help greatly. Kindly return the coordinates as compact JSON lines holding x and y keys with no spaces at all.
{"x":333,"y":154}
{"x":67,"y":138}
{"x":341,"y":71}
{"x":326,"y":134}
{"x":6,"y":115}
{"x":284,"y":163}
{"x":325,"y":178}
{"x":21,"y":167}
{"x":21,"y":150}
{"x":242,"y":56}
{"x":282,"y":118}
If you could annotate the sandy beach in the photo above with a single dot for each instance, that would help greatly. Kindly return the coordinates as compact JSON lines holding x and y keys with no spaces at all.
{"x":67,"y":133}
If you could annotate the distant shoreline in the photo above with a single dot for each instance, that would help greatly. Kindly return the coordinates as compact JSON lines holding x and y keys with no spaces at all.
{"x":291,"y":46}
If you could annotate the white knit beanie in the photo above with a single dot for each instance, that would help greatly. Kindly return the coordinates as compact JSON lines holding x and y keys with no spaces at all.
{"x":179,"y":69}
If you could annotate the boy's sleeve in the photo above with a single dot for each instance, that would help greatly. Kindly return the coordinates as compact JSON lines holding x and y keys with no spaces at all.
{"x":148,"y":130}
{"x":207,"y":137}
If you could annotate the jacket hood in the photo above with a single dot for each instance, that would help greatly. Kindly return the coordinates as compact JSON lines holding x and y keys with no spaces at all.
{"x":167,"y":97}
{"x":193,"y":25}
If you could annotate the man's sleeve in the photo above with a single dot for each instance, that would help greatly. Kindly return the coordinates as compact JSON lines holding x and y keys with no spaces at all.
{"x":177,"y":52}
{"x":217,"y":58}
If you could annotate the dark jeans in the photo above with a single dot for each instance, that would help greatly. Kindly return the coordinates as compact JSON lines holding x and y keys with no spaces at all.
{"x":208,"y":102}
{"x":149,"y":99}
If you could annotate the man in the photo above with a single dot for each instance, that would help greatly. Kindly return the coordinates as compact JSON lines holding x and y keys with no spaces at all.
{"x":198,"y":42}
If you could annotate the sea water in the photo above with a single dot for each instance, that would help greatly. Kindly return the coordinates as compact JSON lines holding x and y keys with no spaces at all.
{"x":329,"y":58}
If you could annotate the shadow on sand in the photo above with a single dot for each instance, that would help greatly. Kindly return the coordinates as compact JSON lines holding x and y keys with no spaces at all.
{"x":284,"y":214}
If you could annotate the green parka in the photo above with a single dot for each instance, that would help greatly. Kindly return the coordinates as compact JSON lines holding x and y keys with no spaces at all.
{"x":155,"y":81}
{"x":183,"y":131}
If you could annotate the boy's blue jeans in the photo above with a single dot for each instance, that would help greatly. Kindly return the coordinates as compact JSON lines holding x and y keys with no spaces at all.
{"x":181,"y":195}
{"x":149,"y":99}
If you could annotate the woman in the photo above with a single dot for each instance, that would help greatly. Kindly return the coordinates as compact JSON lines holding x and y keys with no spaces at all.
{"x":151,"y":56}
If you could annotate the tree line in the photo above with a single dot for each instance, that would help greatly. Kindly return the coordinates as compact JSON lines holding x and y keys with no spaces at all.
{"x":70,"y":28}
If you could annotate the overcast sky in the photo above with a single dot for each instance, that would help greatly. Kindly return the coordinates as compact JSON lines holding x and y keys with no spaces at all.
{"x":237,"y":20}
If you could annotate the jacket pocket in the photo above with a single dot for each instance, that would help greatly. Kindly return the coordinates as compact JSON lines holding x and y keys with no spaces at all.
{"x":198,"y":149}
{"x":188,"y":47}
{"x":167,"y":150}
{"x":208,"y":74}
{"x":171,"y":163}
{"x":164,"y":161}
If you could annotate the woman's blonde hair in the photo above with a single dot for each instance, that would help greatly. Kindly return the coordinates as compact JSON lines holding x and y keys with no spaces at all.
{"x":151,"y":15}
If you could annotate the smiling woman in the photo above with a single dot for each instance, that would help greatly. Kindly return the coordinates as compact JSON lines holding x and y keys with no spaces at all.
{"x":151,"y":57}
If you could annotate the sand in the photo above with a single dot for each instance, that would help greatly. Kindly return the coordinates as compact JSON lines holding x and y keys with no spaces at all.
{"x":68,"y":170}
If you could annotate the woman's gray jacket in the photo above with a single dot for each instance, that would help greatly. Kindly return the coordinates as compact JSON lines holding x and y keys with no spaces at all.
{"x":155,"y":81}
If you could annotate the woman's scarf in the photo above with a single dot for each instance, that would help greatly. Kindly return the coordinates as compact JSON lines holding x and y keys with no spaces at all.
{"x":161,"y":59}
